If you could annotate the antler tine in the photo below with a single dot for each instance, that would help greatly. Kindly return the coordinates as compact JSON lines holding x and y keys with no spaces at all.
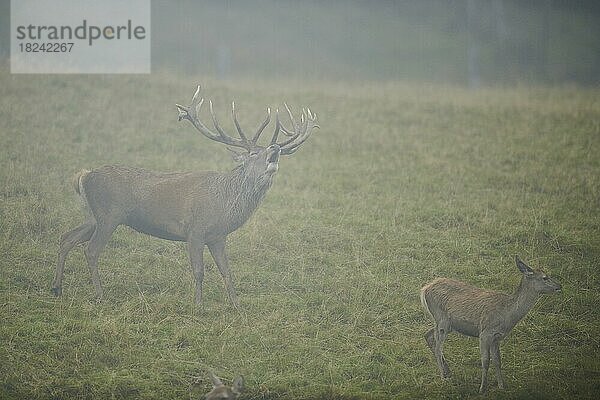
{"x":214,"y":118}
{"x":237,"y":124}
{"x":295,"y":136}
{"x":191,"y":113}
{"x":293,"y":121}
{"x":303,"y":120}
{"x":285,"y":130}
{"x":301,"y":131}
{"x":277,"y":127}
{"x":262,"y":126}
{"x":290,"y":114}
{"x":184,"y":112}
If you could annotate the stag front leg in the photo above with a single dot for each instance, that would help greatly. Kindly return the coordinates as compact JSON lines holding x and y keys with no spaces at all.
{"x":97,"y":243}
{"x":196,"y":249}
{"x":217,"y":249}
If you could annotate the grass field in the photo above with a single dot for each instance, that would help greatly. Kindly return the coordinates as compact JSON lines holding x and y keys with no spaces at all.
{"x":403,"y":183}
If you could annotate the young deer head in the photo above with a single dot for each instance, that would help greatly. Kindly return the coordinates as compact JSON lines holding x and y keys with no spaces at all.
{"x":489,"y":315}
{"x":222,"y":392}
{"x":536,"y":280}
{"x":200,"y":208}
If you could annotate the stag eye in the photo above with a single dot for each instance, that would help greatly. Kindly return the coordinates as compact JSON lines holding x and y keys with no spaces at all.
{"x":545,"y":278}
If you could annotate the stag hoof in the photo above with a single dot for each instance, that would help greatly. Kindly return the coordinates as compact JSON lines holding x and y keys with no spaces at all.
{"x":56,"y":291}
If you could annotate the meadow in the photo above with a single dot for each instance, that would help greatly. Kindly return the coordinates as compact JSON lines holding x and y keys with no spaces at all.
{"x":402,"y":183}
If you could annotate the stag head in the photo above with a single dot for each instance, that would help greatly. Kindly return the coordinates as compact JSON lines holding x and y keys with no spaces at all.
{"x":257,"y":161}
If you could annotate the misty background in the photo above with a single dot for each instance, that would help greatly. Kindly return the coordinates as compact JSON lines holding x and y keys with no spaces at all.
{"x":465,"y":42}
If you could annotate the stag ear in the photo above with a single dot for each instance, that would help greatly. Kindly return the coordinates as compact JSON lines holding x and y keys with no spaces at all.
{"x":237,"y":155}
{"x":524,"y":268}
{"x":238,"y":385}
{"x":214,"y":379}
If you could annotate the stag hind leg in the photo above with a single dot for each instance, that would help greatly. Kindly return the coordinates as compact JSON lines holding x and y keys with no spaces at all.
{"x":79,"y":235}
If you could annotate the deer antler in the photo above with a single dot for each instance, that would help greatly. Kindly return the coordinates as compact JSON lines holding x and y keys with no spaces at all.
{"x":192,"y":111}
{"x":298,"y":135}
{"x":301,"y":131}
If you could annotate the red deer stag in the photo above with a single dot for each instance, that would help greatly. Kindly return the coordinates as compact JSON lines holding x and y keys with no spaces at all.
{"x":200,"y":208}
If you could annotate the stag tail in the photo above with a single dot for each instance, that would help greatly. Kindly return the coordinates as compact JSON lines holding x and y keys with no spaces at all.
{"x":79,"y":189}
{"x":77,"y":181}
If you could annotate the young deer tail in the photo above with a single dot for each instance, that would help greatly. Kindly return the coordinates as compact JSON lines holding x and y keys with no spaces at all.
{"x":424,"y":300}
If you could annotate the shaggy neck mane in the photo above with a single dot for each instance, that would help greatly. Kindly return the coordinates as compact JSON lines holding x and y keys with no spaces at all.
{"x":244,"y":193}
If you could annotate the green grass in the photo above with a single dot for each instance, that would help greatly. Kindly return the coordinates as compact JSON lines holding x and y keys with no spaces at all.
{"x":403,"y":183}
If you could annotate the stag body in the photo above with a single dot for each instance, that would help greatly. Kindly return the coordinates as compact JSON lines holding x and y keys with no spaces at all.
{"x":200,"y":208}
{"x":487,"y":314}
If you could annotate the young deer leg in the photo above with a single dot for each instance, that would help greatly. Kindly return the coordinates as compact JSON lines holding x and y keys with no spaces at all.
{"x":196,"y":250}
{"x":440,"y":333}
{"x":217,"y":249}
{"x":495,"y":355}
{"x":485,"y":342}
{"x":79,"y":235}
{"x":97,"y":243}
{"x":430,"y":339}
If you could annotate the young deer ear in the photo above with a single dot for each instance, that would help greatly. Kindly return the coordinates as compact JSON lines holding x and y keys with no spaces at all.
{"x":214,"y":379}
{"x":238,"y":385}
{"x":524,"y":268}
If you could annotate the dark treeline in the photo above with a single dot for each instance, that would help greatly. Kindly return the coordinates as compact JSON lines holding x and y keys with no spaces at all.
{"x":458,"y":41}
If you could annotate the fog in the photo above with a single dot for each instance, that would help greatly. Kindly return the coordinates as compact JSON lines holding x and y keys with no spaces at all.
{"x":461,"y":41}
{"x":464,"y":42}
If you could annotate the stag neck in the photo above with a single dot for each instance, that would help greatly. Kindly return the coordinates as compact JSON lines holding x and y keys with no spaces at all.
{"x":257,"y":185}
{"x":242,"y":193}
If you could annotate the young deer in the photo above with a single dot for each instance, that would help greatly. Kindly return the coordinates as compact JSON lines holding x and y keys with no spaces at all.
{"x":222,"y":392}
{"x":200,"y":208}
{"x":487,"y":314}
